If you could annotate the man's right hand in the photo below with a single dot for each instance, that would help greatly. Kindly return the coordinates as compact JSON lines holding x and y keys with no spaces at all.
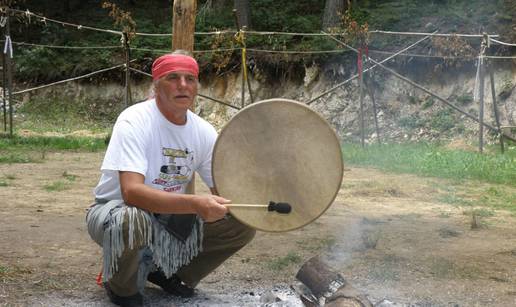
{"x":211,"y":207}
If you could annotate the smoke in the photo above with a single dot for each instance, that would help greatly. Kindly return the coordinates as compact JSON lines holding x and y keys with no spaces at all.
{"x":355,"y":236}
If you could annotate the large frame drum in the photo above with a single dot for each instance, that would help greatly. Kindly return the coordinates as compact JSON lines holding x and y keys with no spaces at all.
{"x":278,"y":150}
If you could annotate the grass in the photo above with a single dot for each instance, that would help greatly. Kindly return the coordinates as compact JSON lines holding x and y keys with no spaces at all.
{"x":316,"y":244}
{"x":69,"y":177}
{"x":8,"y":273}
{"x":4,"y":182}
{"x":282,"y":263}
{"x":57,"y":186}
{"x":31,"y":149}
{"x":61,"y":185}
{"x":436,"y":161}
{"x":446,"y":269}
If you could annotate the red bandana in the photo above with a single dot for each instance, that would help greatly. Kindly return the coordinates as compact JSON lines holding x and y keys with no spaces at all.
{"x":174,"y":62}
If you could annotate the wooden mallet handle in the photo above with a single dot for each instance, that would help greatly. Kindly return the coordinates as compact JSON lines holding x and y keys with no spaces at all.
{"x":272,"y":206}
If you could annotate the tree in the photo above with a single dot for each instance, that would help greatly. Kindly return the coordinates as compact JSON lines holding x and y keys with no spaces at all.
{"x":333,"y":9}
{"x":243,"y":12}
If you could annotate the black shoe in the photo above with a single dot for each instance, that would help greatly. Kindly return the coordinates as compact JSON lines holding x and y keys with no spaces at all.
{"x":124,"y":301}
{"x":172,"y":285}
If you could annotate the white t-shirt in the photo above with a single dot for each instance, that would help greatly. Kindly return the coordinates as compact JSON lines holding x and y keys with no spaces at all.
{"x":145,"y":142}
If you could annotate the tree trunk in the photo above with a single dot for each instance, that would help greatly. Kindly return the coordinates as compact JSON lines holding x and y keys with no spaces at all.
{"x":333,"y":9}
{"x":243,"y":13}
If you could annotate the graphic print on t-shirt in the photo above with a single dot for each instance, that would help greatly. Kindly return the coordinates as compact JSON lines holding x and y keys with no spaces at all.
{"x":177,"y":169}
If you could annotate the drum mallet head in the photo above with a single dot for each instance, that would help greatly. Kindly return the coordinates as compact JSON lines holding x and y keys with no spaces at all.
{"x":279,"y":207}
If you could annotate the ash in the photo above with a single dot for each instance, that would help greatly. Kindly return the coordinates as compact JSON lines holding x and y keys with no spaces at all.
{"x":276,"y":296}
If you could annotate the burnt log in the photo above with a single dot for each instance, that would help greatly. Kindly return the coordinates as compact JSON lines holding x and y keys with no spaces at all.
{"x":326,"y":287}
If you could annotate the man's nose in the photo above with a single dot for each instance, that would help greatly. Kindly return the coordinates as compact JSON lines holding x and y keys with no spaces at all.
{"x":182,"y":80}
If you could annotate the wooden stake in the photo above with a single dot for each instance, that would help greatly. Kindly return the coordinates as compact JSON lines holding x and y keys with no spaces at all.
{"x":481,"y":98}
{"x":361,"y":83}
{"x":370,"y":88}
{"x":4,"y":88}
{"x":495,"y":107}
{"x":183,"y":24}
{"x":183,"y":28}
{"x":127,"y":98}
{"x":9,"y":80}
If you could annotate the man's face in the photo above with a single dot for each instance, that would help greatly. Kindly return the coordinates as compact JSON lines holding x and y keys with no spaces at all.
{"x":177,"y":90}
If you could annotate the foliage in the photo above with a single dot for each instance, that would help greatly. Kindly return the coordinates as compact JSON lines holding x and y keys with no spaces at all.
{"x":122,"y":18}
{"x":40,"y":64}
{"x":443,"y":120}
{"x":465,"y":99}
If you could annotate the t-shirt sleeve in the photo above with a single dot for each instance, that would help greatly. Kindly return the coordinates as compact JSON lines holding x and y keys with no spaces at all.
{"x":204,"y":169}
{"x":126,"y":149}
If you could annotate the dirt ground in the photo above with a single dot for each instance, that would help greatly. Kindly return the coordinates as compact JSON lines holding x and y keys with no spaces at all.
{"x":389,"y":235}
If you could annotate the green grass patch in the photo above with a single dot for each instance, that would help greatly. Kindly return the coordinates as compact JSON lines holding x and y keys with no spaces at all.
{"x":52,"y":143}
{"x":69,"y":177}
{"x":312,"y":244}
{"x":32,"y":149}
{"x":283,"y":262}
{"x":480,"y":212}
{"x":57,"y":186}
{"x":453,"y":199}
{"x":4,"y":182}
{"x":446,"y":269}
{"x":498,"y":198}
{"x":434,"y":160}
{"x":10,"y":176}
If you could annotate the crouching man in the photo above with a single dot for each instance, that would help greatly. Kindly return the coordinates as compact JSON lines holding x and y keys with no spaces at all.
{"x":149,"y":229}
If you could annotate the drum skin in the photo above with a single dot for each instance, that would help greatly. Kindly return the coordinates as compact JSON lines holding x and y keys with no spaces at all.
{"x":278,"y":150}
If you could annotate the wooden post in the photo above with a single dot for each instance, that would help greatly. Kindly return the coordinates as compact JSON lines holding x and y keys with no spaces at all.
{"x":244,"y":65}
{"x":127,"y":98}
{"x":241,"y":40}
{"x":361,"y":83}
{"x":370,"y":89}
{"x":4,"y":87}
{"x":183,"y":24}
{"x":183,"y":29}
{"x":495,"y":107}
{"x":481,"y":97}
{"x":9,"y":77}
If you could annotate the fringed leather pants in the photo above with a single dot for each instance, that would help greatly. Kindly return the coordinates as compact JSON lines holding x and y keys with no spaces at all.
{"x":128,"y":234}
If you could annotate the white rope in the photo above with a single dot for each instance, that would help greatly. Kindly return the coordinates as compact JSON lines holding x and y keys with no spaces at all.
{"x":67,"y":80}
{"x":500,"y":57}
{"x":8,"y":46}
{"x":140,"y":71}
{"x":282,"y":33}
{"x":298,"y":51}
{"x":79,"y":27}
{"x":425,"y":55}
{"x":429,"y":34}
{"x":501,"y":43}
{"x":64,"y":47}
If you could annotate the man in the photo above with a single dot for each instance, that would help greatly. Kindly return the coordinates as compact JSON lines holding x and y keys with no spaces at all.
{"x":148,"y":227}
